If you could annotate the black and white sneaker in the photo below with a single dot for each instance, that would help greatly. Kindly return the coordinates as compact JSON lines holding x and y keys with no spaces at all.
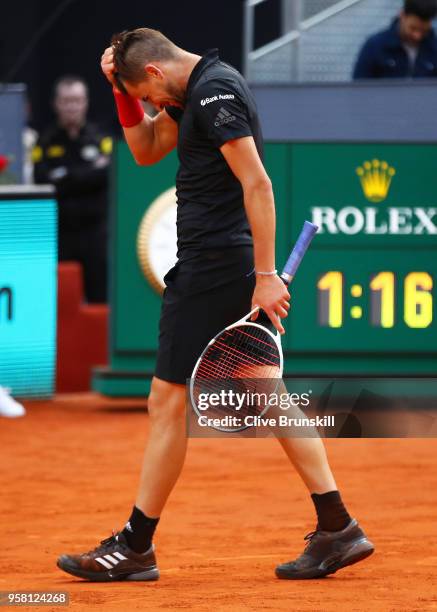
{"x":327,"y":552}
{"x":112,"y":560}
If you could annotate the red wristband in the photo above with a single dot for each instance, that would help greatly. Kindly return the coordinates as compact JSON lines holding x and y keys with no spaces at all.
{"x":130,"y":111}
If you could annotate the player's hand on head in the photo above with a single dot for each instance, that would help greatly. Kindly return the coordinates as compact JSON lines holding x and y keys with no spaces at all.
{"x":107,"y":64}
{"x":272,"y":296}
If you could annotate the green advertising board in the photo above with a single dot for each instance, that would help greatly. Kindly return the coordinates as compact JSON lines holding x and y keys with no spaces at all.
{"x":363,"y":301}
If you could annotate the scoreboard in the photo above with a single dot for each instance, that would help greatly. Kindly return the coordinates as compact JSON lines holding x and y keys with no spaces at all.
{"x":364,"y":299}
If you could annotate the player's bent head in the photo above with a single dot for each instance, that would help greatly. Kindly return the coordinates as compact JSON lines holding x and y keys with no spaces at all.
{"x":134,"y":50}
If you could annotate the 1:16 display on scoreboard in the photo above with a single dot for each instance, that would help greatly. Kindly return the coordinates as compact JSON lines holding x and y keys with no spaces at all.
{"x":417,"y":299}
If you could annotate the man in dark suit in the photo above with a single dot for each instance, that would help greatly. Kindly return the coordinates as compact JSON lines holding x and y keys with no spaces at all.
{"x":408,"y":48}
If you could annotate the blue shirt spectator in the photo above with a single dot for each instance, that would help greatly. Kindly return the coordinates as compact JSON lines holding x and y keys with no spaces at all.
{"x":407,"y":49}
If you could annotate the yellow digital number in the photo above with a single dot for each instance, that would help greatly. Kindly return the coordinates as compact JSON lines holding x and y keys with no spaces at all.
{"x":333,"y":283}
{"x":385,"y":283}
{"x":418,"y":300}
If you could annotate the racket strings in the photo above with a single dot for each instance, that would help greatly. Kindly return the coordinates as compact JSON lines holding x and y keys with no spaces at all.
{"x":236,"y":361}
{"x":238,"y":350}
{"x":248,"y":355}
{"x":230,"y":364}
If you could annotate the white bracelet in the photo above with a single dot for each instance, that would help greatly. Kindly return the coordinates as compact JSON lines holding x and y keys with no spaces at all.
{"x":272,"y":273}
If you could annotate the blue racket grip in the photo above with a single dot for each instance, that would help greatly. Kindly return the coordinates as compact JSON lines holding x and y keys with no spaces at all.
{"x":299,"y":250}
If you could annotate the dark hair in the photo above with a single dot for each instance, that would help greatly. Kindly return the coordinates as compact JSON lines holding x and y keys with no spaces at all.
{"x":68,"y":79}
{"x":135,"y":48}
{"x":424,"y":9}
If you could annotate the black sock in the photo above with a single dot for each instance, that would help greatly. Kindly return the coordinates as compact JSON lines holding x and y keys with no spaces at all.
{"x":139,"y":531}
{"x":331,"y":513}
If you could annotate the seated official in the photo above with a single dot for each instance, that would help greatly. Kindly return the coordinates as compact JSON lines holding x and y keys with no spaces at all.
{"x":407,"y":49}
{"x":74,"y":156}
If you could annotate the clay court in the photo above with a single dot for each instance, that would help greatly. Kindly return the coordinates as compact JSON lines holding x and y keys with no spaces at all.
{"x":70,"y":473}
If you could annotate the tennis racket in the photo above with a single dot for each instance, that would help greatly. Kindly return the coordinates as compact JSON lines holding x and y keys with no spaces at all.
{"x":242,"y":360}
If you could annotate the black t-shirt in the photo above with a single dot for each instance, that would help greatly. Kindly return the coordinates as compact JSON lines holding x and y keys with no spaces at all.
{"x":219,"y":107}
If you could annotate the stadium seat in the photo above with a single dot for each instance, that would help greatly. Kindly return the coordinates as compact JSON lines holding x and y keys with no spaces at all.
{"x":82,"y":341}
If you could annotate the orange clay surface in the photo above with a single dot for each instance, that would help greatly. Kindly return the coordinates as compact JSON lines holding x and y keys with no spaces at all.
{"x":69,"y":475}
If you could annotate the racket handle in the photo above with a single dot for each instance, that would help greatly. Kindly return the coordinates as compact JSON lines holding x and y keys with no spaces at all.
{"x":302,"y":243}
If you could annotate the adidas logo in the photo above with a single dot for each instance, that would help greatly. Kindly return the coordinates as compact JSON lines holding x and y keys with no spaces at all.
{"x":128,"y":526}
{"x":223,"y":117}
{"x":110,"y":561}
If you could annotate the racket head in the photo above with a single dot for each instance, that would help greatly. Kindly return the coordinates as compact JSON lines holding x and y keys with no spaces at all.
{"x":241,"y":356}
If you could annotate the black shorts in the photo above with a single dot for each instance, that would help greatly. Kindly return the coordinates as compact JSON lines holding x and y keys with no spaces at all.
{"x":202,"y":296}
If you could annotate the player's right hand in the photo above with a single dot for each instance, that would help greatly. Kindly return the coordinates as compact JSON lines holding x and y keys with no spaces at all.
{"x":272,"y":296}
{"x":107,"y":65}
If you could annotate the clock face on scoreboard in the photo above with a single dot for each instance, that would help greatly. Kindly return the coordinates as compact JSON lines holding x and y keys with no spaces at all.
{"x":157,"y":239}
{"x":368,"y":282}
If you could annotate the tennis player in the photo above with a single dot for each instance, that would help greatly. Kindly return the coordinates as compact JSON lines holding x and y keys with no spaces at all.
{"x":226,"y":266}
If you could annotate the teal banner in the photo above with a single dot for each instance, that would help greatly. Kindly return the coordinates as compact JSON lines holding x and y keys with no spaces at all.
{"x":28,"y":289}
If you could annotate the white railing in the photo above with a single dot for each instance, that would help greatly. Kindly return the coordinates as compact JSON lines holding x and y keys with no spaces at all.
{"x":294,"y":27}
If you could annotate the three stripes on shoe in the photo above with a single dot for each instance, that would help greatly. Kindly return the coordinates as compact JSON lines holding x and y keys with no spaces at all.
{"x":109,"y":561}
